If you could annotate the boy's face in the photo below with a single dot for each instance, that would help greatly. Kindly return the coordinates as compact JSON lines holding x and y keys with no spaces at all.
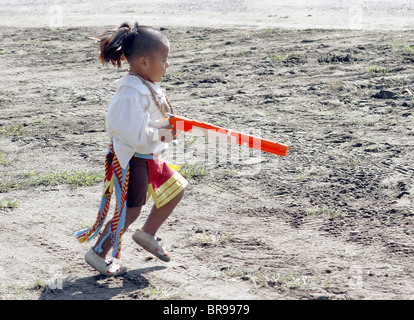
{"x":157,"y":64}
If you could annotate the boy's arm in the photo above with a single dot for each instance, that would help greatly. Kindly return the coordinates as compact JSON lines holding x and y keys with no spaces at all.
{"x":128,"y":121}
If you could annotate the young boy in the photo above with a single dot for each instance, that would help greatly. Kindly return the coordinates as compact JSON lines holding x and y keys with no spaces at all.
{"x":139,"y":134}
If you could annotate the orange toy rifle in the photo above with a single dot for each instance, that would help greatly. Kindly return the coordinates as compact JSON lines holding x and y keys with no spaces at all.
{"x":186,"y":124}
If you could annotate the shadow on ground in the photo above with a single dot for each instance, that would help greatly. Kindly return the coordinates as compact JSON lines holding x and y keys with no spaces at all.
{"x":127,"y":286}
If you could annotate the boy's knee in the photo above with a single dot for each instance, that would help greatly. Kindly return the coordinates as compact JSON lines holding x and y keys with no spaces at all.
{"x":132,"y":214}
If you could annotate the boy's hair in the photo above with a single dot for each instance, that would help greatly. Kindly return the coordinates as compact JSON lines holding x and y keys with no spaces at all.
{"x":126,"y":43}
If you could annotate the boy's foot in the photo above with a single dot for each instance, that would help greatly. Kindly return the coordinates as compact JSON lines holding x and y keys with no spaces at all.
{"x":151,"y":244}
{"x":105,"y":267}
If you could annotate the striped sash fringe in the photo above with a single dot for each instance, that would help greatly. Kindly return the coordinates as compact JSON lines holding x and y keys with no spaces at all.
{"x":116,"y":179}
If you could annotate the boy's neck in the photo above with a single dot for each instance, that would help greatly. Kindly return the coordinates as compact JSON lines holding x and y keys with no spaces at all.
{"x":136,"y":71}
{"x":142,"y":76}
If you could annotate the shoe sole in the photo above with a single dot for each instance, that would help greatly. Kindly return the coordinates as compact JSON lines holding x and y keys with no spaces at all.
{"x":144,"y":243}
{"x":92,"y":261}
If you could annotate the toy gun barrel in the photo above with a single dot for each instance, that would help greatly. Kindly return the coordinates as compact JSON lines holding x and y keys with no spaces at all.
{"x":188,"y":125}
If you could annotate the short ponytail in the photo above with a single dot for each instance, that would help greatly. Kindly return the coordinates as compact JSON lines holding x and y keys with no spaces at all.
{"x":125,"y":43}
{"x":111,"y":44}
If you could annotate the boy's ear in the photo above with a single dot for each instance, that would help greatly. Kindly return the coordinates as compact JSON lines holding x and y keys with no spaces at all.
{"x":142,"y":62}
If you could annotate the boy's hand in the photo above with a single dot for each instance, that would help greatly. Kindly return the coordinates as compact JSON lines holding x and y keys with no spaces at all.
{"x":166,"y":135}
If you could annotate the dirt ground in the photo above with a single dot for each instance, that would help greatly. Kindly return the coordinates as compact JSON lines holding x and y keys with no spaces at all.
{"x":332,"y":220}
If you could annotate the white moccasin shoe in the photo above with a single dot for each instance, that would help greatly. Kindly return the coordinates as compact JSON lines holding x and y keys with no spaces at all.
{"x":105,"y":267}
{"x":151,"y":244}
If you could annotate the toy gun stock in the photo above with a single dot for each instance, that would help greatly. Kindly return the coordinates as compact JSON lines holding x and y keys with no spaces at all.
{"x":188,"y":125}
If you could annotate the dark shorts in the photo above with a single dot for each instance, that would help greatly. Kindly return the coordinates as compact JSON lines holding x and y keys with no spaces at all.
{"x":138,"y":182}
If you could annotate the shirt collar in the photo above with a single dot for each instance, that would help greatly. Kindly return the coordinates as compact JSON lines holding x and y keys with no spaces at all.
{"x":133,"y":82}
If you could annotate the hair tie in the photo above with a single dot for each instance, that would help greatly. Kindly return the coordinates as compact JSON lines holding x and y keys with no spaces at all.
{"x":119,"y":42}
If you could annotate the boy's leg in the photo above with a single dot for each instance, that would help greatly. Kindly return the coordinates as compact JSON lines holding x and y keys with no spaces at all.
{"x":158,"y":216}
{"x":132,"y":214}
{"x":137,"y":191}
{"x":145,"y":236}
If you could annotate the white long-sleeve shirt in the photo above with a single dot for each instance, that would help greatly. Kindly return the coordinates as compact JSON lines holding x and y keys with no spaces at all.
{"x":129,"y":117}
